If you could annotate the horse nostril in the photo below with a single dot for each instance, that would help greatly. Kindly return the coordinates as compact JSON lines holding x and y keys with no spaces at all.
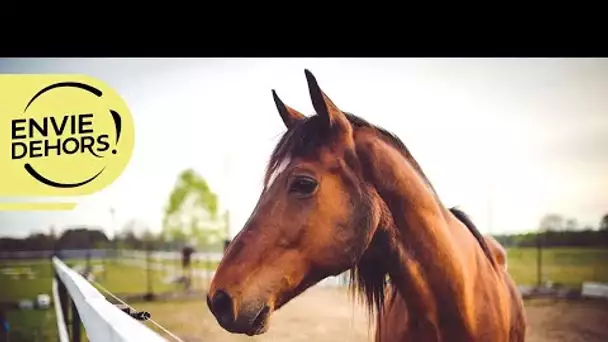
{"x":209,"y":304}
{"x":222,"y":307}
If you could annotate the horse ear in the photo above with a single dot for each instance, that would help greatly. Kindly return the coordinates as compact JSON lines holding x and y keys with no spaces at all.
{"x":289,"y":115}
{"x":323,"y":105}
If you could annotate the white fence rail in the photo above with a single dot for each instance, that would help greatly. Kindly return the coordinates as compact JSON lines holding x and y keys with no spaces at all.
{"x":103,"y":321}
{"x":596,"y":290}
{"x":62,"y":330}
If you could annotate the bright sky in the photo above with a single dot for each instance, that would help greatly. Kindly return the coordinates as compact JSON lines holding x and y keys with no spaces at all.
{"x":532,"y":134}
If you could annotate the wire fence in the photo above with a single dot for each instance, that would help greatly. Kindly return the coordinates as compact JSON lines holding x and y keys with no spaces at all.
{"x":204,"y":265}
{"x":81,"y":297}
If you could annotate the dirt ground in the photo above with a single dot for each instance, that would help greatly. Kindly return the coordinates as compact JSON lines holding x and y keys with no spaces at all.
{"x":567,"y":321}
{"x":326,"y":314}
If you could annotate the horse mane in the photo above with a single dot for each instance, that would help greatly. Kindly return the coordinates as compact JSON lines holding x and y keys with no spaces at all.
{"x":304,"y":139}
{"x":466,"y":220}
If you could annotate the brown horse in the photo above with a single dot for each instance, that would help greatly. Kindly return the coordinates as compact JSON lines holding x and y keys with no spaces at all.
{"x":341,"y":194}
{"x":390,"y":322}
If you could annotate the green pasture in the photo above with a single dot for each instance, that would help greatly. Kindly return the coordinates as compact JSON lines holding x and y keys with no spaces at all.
{"x":569,"y":266}
{"x":116,"y":277}
{"x":33,"y":325}
{"x":126,"y":279}
{"x":16,"y":283}
{"x":201,"y":264}
{"x":21,"y":286}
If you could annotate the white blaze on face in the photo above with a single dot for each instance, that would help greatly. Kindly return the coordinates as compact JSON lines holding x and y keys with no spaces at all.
{"x":278,"y":171}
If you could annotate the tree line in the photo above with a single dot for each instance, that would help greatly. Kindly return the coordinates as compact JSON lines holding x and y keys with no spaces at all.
{"x":95,"y":238}
{"x":74,"y":238}
{"x":556,"y":231}
{"x":192,"y":217}
{"x":91,"y":237}
{"x":572,"y":238}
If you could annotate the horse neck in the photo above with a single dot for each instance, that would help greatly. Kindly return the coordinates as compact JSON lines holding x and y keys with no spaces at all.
{"x":424,"y":265}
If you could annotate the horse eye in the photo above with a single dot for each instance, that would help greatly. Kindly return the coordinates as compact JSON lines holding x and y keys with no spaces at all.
{"x":303,"y":185}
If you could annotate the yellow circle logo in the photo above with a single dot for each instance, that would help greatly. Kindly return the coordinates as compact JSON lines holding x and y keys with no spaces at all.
{"x":66,"y":135}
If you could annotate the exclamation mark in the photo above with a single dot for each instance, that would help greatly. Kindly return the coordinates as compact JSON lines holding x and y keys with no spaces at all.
{"x":117,"y":125}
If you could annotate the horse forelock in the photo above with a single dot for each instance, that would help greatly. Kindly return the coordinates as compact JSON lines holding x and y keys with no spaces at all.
{"x":303,"y":139}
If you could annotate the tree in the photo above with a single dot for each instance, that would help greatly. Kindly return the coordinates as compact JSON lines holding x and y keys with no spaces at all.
{"x":588,"y":228}
{"x":604,"y":222}
{"x":191,"y":214}
{"x":79,"y":238}
{"x":128,"y":236}
{"x":551,"y":222}
{"x":571,"y":225}
{"x":52,"y":233}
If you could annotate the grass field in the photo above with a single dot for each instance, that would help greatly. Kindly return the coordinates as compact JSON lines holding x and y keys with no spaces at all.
{"x":33,"y":325}
{"x":202,"y":264}
{"x":40,"y":325}
{"x":570,"y":266}
{"x":116,"y":277}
